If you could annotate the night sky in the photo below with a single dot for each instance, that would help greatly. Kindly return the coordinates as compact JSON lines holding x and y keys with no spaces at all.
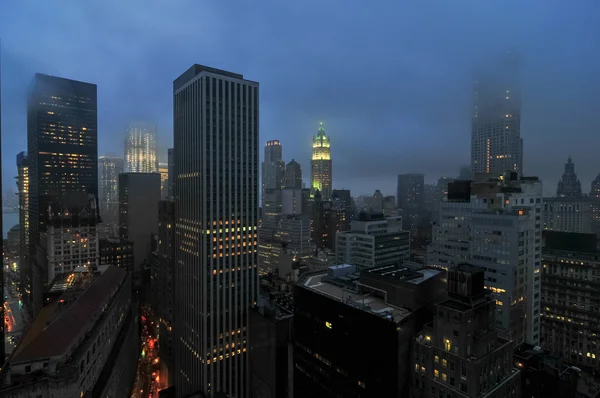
{"x":391,"y":80}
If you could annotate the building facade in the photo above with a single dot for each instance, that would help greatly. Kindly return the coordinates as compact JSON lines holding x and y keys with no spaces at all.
{"x":62,"y":148}
{"x":117,"y":252}
{"x":497,"y":223}
{"x":171,"y":171}
{"x":460,"y":354}
{"x":374,"y":243}
{"x":216,"y":202}
{"x":411,"y":191}
{"x":568,"y":214}
{"x":321,"y":172}
{"x":24,"y":263}
{"x":109,"y":168}
{"x":140,"y":148}
{"x":293,"y":175}
{"x":569,"y":185}
{"x":496,"y":143}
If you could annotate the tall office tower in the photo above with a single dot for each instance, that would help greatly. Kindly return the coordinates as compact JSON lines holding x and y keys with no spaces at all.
{"x":24,"y":270}
{"x":110,"y":168}
{"x":411,"y":191}
{"x":570,"y":300}
{"x":569,"y":185}
{"x":293,"y":175}
{"x":163,"y":169}
{"x":62,"y":147}
{"x":273,"y":168}
{"x":496,"y":143}
{"x":461,"y":354}
{"x":216,"y":206}
{"x":140,"y":148}
{"x":373,"y":243}
{"x":171,"y":172}
{"x":320,"y":165}
{"x":496,"y":223}
{"x":139,"y":194}
{"x":568,"y":214}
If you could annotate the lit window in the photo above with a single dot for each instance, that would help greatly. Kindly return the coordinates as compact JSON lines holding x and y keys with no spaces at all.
{"x":444,"y":363}
{"x":436,"y":373}
{"x":329,"y":325}
{"x":436,"y":359}
{"x":447,"y":345}
{"x":444,"y":377}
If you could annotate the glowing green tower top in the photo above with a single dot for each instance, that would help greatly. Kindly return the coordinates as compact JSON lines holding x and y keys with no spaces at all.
{"x":321,"y":170}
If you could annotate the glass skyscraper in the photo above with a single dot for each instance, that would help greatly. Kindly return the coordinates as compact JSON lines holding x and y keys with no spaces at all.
{"x":140,"y":148}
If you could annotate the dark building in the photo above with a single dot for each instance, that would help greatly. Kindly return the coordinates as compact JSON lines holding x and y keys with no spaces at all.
{"x":292,"y":177}
{"x":545,"y":375}
{"x":171,"y":166}
{"x":351,"y":331}
{"x":117,"y":252}
{"x":327,"y":219}
{"x":460,"y":353}
{"x":62,"y":147}
{"x":411,"y":191}
{"x":163,"y":290}
{"x":271,"y":326}
{"x":139,"y":194}
{"x":24,"y":263}
{"x":569,"y":185}
{"x":570,"y":302}
{"x":1,"y":234}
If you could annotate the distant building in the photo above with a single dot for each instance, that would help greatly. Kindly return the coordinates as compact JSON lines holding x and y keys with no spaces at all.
{"x":321,"y":178}
{"x":24,"y":260}
{"x":292,"y":202}
{"x":568,"y":214}
{"x":163,"y":170}
{"x":496,"y":143}
{"x":410,"y":193}
{"x":139,"y":194}
{"x":570,"y":303}
{"x":351,"y":331}
{"x":109,"y":169}
{"x":569,"y":185}
{"x":326,"y":219}
{"x":375,"y":203}
{"x":140,"y":148}
{"x":273,"y":168}
{"x":496,"y":223}
{"x":84,"y":342}
{"x":293,"y":175}
{"x":373,"y":243}
{"x":117,"y":252}
{"x":460,"y":354}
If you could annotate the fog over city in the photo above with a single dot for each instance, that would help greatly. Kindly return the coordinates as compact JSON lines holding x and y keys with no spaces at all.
{"x":391,"y":80}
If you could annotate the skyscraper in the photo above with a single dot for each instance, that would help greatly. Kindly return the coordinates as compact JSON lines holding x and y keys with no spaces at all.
{"x":496,"y":143}
{"x":110,"y":168}
{"x":140,"y":148}
{"x":293,"y":175}
{"x":273,"y":167}
{"x":569,"y":185}
{"x":163,"y":169}
{"x":320,"y":165}
{"x":1,"y":234}
{"x":216,"y":206}
{"x":24,"y":265}
{"x":62,"y":146}
{"x":171,"y":171}
{"x":411,"y":191}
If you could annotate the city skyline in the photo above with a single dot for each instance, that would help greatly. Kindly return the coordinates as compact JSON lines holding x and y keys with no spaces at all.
{"x":432,"y":118}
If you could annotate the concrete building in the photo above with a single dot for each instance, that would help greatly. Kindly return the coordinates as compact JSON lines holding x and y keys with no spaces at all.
{"x":84,"y":342}
{"x":109,"y":168}
{"x":373,"y":243}
{"x":570,"y":303}
{"x":411,"y":191}
{"x":321,"y":171}
{"x":216,"y":228}
{"x":496,"y":143}
{"x":293,"y":175}
{"x":460,"y":354}
{"x":569,"y":185}
{"x":74,"y":167}
{"x":568,"y":214}
{"x":140,"y":148}
{"x":139,"y":194}
{"x":351,"y":330}
{"x":117,"y":252}
{"x":497,"y":223}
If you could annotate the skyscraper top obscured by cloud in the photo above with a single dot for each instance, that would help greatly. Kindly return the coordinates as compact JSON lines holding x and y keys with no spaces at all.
{"x":140,"y":148}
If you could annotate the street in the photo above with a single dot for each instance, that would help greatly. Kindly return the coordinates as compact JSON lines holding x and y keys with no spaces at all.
{"x":147,"y":382}
{"x":14,"y":316}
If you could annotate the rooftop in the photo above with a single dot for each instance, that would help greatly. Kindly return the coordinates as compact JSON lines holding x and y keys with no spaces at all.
{"x":48,"y":337}
{"x":365,"y":302}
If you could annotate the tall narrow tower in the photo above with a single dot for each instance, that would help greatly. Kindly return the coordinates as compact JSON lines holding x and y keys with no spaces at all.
{"x":496,"y":143}
{"x":216,"y":138}
{"x":320,"y":173}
